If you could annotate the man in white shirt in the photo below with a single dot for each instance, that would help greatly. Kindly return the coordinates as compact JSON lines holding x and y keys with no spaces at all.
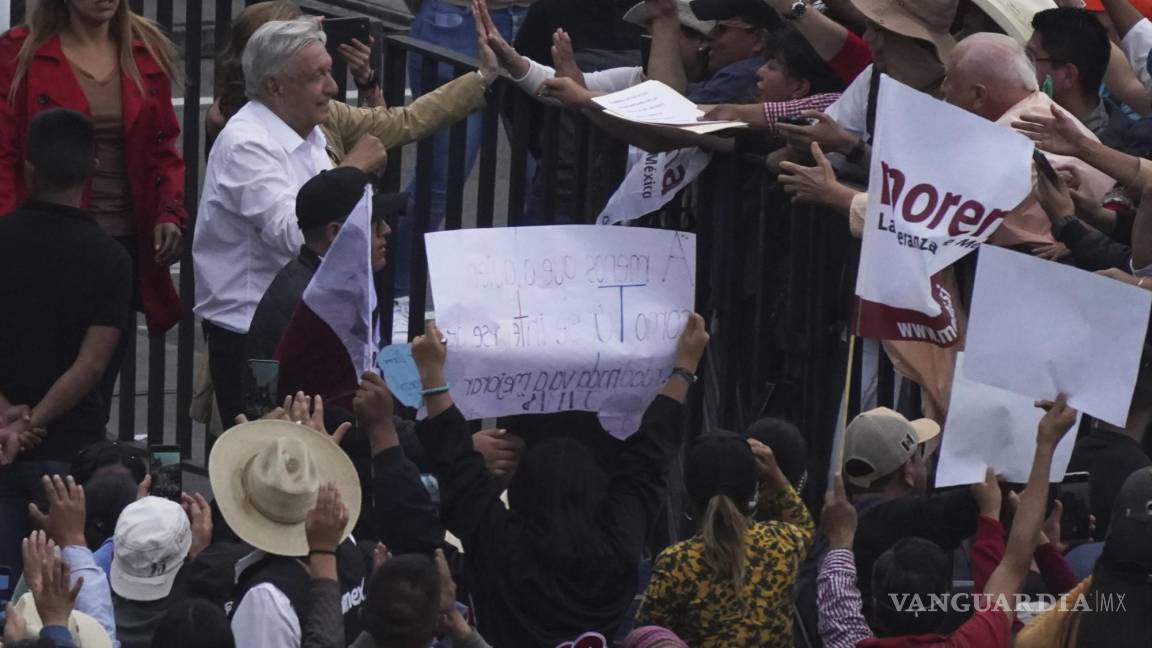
{"x":246,"y":226}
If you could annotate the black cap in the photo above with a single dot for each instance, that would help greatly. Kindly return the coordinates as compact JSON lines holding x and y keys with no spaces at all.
{"x":329,"y":197}
{"x":753,"y":12}
{"x":720,"y":464}
{"x":385,"y":205}
{"x":1129,"y":543}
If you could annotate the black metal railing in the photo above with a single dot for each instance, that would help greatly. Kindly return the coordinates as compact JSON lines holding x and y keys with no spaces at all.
{"x":774,"y":280}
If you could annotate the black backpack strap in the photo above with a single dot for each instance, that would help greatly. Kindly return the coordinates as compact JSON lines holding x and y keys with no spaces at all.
{"x":873,"y":98}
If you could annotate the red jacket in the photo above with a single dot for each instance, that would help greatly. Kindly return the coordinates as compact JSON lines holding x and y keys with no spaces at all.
{"x":155,"y":168}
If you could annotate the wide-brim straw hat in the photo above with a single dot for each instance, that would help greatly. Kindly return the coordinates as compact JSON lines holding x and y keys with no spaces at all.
{"x":265,"y":476}
{"x":85,"y":630}
{"x":926,"y":20}
{"x":1014,"y":16}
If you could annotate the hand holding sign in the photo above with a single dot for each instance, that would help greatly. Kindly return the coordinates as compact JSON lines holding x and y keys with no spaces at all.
{"x":400,"y":372}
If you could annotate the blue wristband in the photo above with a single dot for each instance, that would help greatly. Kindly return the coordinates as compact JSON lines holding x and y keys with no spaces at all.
{"x":435,"y":390}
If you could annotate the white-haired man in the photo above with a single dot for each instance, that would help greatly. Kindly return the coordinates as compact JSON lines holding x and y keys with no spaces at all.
{"x":246,"y":228}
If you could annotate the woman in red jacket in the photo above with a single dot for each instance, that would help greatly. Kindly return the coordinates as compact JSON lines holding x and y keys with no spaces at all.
{"x":99,"y":58}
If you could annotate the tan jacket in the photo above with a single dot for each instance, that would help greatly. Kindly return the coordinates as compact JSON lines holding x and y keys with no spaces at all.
{"x":394,"y":127}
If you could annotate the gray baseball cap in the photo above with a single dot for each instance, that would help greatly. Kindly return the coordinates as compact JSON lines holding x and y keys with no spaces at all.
{"x":879,"y":441}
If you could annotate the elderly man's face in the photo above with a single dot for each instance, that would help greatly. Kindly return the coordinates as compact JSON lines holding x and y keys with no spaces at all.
{"x":732,"y":41}
{"x":959,"y":91}
{"x":306,"y":87}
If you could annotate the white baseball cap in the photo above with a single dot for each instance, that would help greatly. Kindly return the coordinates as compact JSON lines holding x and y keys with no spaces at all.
{"x":151,"y":543}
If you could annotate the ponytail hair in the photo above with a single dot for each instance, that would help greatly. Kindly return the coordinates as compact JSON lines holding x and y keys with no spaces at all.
{"x":722,"y":531}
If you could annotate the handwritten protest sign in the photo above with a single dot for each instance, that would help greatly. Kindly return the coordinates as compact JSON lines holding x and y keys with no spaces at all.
{"x":927,"y":208}
{"x":989,"y":426}
{"x":559,"y":318}
{"x":652,"y":180}
{"x":1039,"y":329}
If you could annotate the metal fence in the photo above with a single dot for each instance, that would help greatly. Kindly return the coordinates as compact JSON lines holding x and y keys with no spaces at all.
{"x":774,"y":281}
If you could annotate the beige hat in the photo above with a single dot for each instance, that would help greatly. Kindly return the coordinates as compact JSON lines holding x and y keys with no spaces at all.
{"x":638,"y":15}
{"x":266,"y":475}
{"x":927,"y":20}
{"x":86,"y":632}
{"x":1014,"y":16}
{"x":882,"y":440}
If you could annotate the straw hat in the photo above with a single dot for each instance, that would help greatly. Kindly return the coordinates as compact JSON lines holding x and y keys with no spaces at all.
{"x":86,"y":632}
{"x":1014,"y":16}
{"x":927,"y":20}
{"x":265,"y":476}
{"x":638,"y":15}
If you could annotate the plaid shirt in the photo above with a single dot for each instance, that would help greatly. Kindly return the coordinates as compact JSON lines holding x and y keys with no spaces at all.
{"x":842,"y":623}
{"x":774,"y":110}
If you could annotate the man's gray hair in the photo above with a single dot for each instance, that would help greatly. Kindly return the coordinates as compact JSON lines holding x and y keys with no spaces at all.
{"x":272,"y":46}
{"x":998,"y":61}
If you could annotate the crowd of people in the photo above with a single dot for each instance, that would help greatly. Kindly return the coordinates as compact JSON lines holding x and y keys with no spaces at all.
{"x":339,"y":519}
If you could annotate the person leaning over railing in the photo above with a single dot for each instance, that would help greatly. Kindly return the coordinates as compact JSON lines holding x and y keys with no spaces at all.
{"x":345,"y":125}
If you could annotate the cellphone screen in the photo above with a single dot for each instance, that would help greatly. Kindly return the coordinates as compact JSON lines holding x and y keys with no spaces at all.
{"x":167,"y":479}
{"x":261,"y":388}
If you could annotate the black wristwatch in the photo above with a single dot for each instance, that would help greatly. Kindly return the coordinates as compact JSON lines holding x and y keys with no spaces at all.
{"x":367,"y":85}
{"x":688,"y":376}
{"x":799,"y":8}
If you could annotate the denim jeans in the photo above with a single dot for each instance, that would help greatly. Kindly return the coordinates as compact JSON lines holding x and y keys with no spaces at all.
{"x":20,"y":485}
{"x":449,"y":26}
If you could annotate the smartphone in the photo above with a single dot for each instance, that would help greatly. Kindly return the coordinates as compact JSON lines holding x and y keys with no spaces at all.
{"x":1074,"y":493}
{"x":343,"y":30}
{"x":261,"y":388}
{"x":164,"y":466}
{"x":795,"y":120}
{"x":1045,"y":167}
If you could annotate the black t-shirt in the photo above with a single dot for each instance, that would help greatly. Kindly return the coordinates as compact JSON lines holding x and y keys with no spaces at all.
{"x":60,"y":274}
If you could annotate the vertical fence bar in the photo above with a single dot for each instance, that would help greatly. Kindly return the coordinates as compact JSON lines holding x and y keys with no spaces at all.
{"x":126,"y":406}
{"x":157,"y":346}
{"x":137,"y":6}
{"x":222,"y":30}
{"x":516,"y":166}
{"x":395,"y":81}
{"x":425,"y":150}
{"x":185,"y":356}
{"x":554,"y":120}
{"x":457,"y":151}
{"x":489,"y":145}
{"x":164,"y":15}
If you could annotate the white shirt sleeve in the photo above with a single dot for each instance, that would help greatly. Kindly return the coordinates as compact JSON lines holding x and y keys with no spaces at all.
{"x":610,"y":80}
{"x":851,"y":110}
{"x":266,"y":619}
{"x":1136,"y":44}
{"x":255,"y":185}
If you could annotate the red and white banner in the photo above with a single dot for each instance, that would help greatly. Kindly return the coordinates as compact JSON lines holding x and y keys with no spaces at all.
{"x":330,"y":341}
{"x":942,"y":181}
{"x":653,"y":179}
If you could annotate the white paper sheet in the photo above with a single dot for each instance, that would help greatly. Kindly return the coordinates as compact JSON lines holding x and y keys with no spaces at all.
{"x":560,"y":318}
{"x":1040,"y":328}
{"x":989,"y":426}
{"x":653,"y":102}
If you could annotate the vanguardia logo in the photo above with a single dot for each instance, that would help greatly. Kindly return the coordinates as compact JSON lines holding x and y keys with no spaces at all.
{"x":917,"y":604}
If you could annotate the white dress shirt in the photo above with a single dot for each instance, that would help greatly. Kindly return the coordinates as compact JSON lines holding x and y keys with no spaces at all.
{"x":246,"y":227}
{"x":265,"y":618}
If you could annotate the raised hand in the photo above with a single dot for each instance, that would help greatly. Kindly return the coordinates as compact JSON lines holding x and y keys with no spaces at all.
{"x":988,"y":496}
{"x":838,"y":519}
{"x":429,"y":352}
{"x":564,"y":58}
{"x":772,"y":479}
{"x":693,"y":341}
{"x":359,"y":59}
{"x":815,"y":184}
{"x":824,"y":131}
{"x":200,"y":519}
{"x":326,"y":522}
{"x":1058,"y":419}
{"x":50,"y":587}
{"x":1056,"y":133}
{"x":501,"y":450}
{"x":64,"y":522}
{"x":568,"y":92}
{"x":490,"y":38}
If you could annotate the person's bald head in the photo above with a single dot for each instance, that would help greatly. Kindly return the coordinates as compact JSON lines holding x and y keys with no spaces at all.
{"x":987,"y":74}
